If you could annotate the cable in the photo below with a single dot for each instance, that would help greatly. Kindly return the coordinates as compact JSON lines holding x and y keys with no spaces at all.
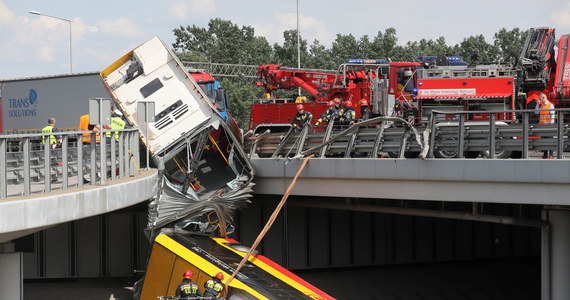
{"x":269,"y":222}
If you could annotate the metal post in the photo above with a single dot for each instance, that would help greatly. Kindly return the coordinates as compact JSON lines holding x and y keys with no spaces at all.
{"x":103,"y":159}
{"x":64,"y":161}
{"x":127,"y":154}
{"x":560,"y":136}
{"x":47,"y":164}
{"x":122,"y":154}
{"x":492,"y":136}
{"x":147,"y":146}
{"x":27,"y":187}
{"x":113,"y":157}
{"x":93,"y":158}
{"x":135,"y":149}
{"x":432,"y":134}
{"x":525,"y":136}
{"x":80,"y":160}
{"x":460,"y":137}
{"x":378,"y":141}
{"x":3,"y":170}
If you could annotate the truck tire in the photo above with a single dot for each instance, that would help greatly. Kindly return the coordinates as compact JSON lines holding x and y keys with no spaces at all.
{"x":498,"y":154}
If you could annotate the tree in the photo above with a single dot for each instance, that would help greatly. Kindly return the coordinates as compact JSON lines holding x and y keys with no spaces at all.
{"x":385,"y":45}
{"x":320,"y":57}
{"x":222,"y":42}
{"x":286,"y":55}
{"x":475,"y":49}
{"x":509,"y":44}
{"x":344,"y":47}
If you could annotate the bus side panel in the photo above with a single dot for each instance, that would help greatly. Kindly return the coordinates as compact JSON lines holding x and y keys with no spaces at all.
{"x":160,"y":267}
{"x":181,"y":265}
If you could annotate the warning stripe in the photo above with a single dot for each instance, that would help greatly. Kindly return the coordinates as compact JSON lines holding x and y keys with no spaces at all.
{"x":202,"y":263}
{"x":279,"y":272}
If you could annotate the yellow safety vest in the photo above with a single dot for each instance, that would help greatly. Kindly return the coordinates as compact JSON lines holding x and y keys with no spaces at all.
{"x":116,"y":123}
{"x":213,"y":287}
{"x":48,"y":129}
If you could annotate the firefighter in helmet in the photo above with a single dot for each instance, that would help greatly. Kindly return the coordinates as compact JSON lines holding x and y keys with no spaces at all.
{"x":347,"y":114}
{"x":330,"y":114}
{"x":187,"y":288}
{"x":302,"y":118}
{"x":337,"y":103}
{"x":214,"y":286}
{"x":365,"y":112}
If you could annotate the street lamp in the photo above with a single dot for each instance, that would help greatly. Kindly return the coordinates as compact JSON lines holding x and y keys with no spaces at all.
{"x":298,"y":45}
{"x":33,"y":12}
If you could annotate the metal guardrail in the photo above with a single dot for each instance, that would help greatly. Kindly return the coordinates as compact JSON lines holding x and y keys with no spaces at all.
{"x":448,"y":134}
{"x":27,"y":166}
{"x":460,"y":134}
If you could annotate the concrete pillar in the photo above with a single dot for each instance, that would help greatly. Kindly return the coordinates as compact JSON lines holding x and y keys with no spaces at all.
{"x":11,"y":272}
{"x":559,"y":254}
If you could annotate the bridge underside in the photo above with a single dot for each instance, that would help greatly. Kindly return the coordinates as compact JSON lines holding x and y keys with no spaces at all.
{"x":465,"y":180}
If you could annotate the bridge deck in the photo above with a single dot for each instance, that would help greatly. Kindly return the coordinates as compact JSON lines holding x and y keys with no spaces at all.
{"x":531,"y":181}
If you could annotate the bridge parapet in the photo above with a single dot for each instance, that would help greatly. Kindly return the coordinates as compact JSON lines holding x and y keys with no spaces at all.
{"x":77,"y":180}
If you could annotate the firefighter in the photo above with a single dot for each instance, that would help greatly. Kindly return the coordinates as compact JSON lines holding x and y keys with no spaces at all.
{"x":337,"y":103}
{"x":302,"y":118}
{"x":187,"y":288}
{"x":545,"y":111}
{"x":330,"y":114}
{"x":214,"y":286}
{"x":365,"y":112}
{"x":347,"y":114}
{"x":53,"y":139}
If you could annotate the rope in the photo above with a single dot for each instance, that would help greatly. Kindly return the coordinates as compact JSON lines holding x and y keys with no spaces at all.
{"x":269,"y":222}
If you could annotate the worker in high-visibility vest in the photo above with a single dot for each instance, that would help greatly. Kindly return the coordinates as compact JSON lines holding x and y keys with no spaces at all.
{"x":330,"y":114}
{"x":302,"y":118}
{"x":214,"y":286}
{"x":187,"y":288}
{"x":347,"y":115}
{"x":545,"y":110}
{"x":53,"y":139}
{"x":116,"y":123}
{"x":365,"y":112}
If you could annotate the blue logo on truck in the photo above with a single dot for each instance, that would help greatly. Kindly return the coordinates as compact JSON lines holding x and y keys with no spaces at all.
{"x":23,"y":107}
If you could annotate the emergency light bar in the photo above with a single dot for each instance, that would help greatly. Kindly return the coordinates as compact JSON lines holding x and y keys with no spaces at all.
{"x":366,"y":61}
{"x":449,"y":58}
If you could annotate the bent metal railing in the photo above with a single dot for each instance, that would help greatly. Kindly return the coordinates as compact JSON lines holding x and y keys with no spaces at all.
{"x":448,"y":134}
{"x":82,"y":158}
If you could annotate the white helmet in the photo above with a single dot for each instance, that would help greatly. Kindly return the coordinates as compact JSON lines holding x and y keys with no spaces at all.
{"x":118,"y":113}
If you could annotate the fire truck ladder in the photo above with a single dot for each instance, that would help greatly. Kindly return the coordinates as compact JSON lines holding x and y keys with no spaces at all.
{"x":224,"y":70}
{"x":239,"y":70}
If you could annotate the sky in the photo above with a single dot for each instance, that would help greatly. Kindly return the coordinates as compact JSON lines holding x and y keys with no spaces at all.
{"x":103,"y":31}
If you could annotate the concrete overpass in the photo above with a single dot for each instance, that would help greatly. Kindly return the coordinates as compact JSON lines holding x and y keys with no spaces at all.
{"x":531,"y":181}
{"x":78,"y":181}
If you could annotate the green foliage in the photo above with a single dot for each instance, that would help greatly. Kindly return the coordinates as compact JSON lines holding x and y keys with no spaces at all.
{"x":509,"y":44}
{"x":225,"y":42}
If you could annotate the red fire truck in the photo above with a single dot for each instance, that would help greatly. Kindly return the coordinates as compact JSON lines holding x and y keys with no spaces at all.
{"x":413,"y":89}
{"x":407,"y":89}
